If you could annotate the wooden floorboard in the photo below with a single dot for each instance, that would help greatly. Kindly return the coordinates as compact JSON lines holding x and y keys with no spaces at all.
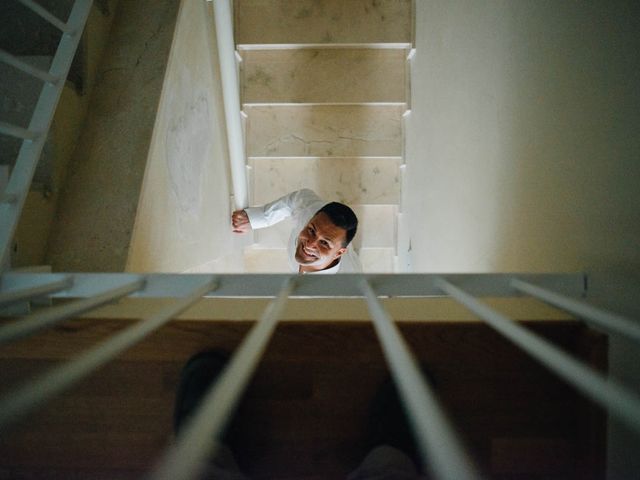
{"x":306,"y":411}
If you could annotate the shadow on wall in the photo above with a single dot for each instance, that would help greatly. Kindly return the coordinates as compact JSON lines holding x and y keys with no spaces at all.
{"x":574,"y":138}
{"x":523,"y":142}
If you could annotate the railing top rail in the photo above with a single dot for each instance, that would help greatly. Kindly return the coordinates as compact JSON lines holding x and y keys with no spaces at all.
{"x":267,"y":285}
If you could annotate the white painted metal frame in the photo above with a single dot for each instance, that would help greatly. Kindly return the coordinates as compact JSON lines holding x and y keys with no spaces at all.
{"x":268,"y":285}
{"x":47,"y":318}
{"x":439,"y":445}
{"x":200,"y":437}
{"x":436,"y":438}
{"x":231,"y":98}
{"x":619,"y":401}
{"x":27,"y":397}
{"x":608,"y":321}
{"x":34,"y":136}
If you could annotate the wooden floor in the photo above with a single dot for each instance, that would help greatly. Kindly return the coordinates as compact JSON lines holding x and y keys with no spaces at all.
{"x":306,"y":411}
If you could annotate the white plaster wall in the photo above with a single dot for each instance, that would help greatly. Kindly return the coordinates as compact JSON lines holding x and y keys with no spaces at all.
{"x":523,"y":149}
{"x":182,"y":223}
{"x":523,"y":146}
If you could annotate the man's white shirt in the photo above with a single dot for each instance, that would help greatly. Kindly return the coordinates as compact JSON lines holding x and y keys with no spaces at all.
{"x":301,"y":206}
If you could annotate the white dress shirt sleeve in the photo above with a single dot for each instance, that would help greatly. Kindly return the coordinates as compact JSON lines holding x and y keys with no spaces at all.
{"x":284,"y":207}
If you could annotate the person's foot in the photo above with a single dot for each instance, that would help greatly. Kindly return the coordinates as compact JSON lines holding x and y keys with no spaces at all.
{"x":198,"y":374}
{"x":388,"y":422}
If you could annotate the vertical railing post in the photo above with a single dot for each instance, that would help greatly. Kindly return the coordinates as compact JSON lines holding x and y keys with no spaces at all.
{"x":199,"y":437}
{"x":437,"y":442}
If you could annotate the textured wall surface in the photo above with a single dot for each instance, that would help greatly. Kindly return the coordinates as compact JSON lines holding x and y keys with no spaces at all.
{"x":183,"y":215}
{"x":523,"y":142}
{"x":97,"y":208}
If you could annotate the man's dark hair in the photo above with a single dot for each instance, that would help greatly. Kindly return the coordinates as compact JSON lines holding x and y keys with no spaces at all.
{"x":343,"y":217}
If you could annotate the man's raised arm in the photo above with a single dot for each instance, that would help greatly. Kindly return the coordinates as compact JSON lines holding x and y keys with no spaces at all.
{"x":243,"y":221}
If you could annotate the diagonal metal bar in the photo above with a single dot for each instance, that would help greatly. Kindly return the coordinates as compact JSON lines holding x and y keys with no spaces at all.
{"x":608,"y":321}
{"x":619,"y":401}
{"x":36,"y":291}
{"x":439,"y":445}
{"x":36,"y":392}
{"x":17,"y":132}
{"x":15,"y":62}
{"x":198,"y":440}
{"x":23,"y":171}
{"x":44,"y":13}
{"x":32,"y":323}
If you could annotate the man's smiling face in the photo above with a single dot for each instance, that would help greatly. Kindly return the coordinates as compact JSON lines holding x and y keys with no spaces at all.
{"x":320,"y":244}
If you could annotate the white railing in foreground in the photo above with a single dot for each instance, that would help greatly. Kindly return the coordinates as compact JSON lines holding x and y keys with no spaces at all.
{"x":446,"y":459}
{"x":198,"y":440}
{"x":435,"y":436}
{"x":13,"y":198}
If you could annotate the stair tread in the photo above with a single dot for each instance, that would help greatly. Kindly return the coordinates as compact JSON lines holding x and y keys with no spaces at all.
{"x":274,"y":260}
{"x":324,"y":130}
{"x":330,"y":21}
{"x":323,"y":75}
{"x":351,"y":180}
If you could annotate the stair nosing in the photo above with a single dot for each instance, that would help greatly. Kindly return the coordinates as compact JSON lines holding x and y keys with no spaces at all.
{"x":337,"y":46}
{"x":332,"y":104}
{"x":323,"y":157}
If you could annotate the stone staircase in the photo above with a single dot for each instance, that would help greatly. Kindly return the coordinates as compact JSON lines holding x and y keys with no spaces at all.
{"x":324,"y":88}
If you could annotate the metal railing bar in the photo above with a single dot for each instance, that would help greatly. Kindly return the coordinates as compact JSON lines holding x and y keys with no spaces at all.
{"x":35,"y":291}
{"x":17,"y":132}
{"x":15,"y":62}
{"x":44,"y":13}
{"x":9,"y":198}
{"x":611,"y":322}
{"x":198,"y":439}
{"x":618,"y":400}
{"x":29,"y":153}
{"x":163,"y":285}
{"x":20,"y":402}
{"x":439,"y":446}
{"x":33,"y":323}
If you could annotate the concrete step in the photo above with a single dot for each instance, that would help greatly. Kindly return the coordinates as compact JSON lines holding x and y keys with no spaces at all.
{"x":324,"y":130}
{"x":351,"y":180}
{"x":274,"y":260}
{"x":266,"y":260}
{"x":377,"y":260}
{"x":327,"y":21}
{"x":334,"y":75}
{"x":376,"y":229}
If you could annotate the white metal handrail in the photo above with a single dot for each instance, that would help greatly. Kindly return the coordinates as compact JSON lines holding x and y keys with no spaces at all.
{"x":15,"y":195}
{"x":231,"y":98}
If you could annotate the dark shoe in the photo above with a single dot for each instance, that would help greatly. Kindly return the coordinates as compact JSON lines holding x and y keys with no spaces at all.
{"x":199,"y":373}
{"x":388,"y":422}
